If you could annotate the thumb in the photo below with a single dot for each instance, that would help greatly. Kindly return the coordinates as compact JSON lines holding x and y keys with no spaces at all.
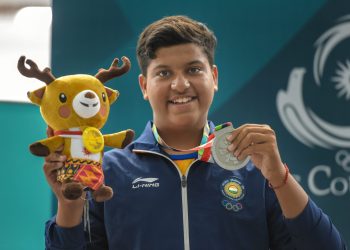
{"x":49,"y":131}
{"x":59,"y":149}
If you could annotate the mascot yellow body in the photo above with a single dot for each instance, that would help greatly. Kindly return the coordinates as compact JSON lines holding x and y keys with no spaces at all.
{"x":76,"y":107}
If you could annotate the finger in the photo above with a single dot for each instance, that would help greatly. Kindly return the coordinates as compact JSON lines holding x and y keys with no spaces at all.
{"x":264,"y":129}
{"x":50,"y":167}
{"x":55,"y":157}
{"x":59,"y":150}
{"x":51,"y":176}
{"x":241,"y":128}
{"x":254,"y":125}
{"x":250,"y":139}
{"x":261,"y":149}
{"x":240,"y":133}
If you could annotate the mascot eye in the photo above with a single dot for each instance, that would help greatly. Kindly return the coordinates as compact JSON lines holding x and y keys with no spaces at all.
{"x":63,"y":98}
{"x":104,"y":97}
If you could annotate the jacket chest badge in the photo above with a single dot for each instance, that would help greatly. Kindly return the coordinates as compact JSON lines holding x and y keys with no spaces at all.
{"x":233,"y":191}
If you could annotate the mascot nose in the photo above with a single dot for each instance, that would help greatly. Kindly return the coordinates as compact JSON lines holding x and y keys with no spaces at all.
{"x":89,"y":95}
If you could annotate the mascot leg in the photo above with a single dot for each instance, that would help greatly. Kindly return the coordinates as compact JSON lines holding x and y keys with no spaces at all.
{"x":103,"y":193}
{"x":72,"y":190}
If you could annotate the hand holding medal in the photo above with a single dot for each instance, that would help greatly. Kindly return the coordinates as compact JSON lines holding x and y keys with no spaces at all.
{"x":219,"y":150}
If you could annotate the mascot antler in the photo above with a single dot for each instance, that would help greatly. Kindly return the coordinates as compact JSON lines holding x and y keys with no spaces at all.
{"x":105,"y":75}
{"x":34,"y":72}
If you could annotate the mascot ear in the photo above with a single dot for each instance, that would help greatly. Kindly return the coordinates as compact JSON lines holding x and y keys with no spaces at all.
{"x":112,"y":95}
{"x":36,"y":95}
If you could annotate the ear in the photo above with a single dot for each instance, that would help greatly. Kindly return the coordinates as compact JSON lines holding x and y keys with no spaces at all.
{"x":143,"y":86}
{"x":36,"y":95}
{"x":112,"y":94}
{"x":215,"y":74}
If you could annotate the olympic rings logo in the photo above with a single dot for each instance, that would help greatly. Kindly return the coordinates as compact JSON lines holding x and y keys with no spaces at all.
{"x":232,"y":207}
{"x":343,"y":159}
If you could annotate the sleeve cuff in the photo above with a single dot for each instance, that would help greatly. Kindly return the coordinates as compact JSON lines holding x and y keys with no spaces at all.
{"x":64,"y":238}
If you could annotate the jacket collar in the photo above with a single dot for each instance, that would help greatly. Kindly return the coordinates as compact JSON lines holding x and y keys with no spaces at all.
{"x":146,"y":141}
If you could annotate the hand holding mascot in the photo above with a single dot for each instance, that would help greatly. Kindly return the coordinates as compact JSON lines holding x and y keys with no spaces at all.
{"x":76,"y":107}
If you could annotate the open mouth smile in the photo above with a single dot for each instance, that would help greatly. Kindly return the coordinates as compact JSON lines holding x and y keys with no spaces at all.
{"x":182,"y":100}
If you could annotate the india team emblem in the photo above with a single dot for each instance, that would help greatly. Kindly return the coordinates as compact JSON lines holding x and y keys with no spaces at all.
{"x":233,"y":189}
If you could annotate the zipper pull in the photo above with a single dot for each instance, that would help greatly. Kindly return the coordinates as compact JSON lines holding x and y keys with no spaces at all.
{"x":183,"y":181}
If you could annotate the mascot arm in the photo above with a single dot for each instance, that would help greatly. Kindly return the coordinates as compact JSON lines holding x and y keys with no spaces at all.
{"x":120,"y":139}
{"x":46,"y":146}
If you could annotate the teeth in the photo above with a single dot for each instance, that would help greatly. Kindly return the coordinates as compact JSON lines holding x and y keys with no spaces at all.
{"x":181,"y":100}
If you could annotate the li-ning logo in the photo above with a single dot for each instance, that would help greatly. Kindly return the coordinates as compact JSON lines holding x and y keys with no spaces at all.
{"x":145,"y":183}
{"x":308,"y":127}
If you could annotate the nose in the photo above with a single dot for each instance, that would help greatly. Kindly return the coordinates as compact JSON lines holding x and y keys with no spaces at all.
{"x":180,"y":84}
{"x":89,"y":95}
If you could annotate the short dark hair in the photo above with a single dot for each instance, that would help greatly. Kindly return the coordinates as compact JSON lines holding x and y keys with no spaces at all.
{"x":173,"y":30}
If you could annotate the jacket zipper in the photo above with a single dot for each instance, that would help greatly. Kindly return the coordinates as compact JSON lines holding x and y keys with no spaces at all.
{"x":183,"y":195}
{"x":185,"y":212}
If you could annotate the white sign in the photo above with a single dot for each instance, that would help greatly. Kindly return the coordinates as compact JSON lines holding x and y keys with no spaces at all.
{"x":28,"y":33}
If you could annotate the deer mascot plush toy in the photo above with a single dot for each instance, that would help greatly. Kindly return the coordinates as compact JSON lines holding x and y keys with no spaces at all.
{"x":76,"y":107}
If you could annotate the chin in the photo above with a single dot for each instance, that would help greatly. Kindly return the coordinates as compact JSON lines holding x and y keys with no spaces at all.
{"x":187,"y":121}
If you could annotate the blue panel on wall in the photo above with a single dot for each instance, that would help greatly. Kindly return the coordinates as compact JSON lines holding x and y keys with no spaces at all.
{"x":85,"y":34}
{"x":25,"y":195}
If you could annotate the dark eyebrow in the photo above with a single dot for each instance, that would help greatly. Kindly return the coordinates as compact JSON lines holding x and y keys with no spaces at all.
{"x":160,"y":66}
{"x":164,"y":66}
{"x":195,"y":62}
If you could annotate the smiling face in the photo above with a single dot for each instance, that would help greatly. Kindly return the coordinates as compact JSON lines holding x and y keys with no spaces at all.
{"x":180,"y":86}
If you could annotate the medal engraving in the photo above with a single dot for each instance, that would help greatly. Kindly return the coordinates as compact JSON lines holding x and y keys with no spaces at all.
{"x":221,"y":155}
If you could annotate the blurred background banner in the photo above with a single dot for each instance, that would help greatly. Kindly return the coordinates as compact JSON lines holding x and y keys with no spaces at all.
{"x":303,"y":92}
{"x":282,"y":63}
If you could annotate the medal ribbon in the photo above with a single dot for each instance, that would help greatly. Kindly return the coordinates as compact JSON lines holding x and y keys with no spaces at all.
{"x":204,"y":149}
{"x":67,"y":132}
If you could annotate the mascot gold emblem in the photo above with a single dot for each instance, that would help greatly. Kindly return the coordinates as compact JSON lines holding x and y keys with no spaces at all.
{"x":93,"y":140}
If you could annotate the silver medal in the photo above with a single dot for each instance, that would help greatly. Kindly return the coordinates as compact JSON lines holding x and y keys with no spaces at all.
{"x":222,"y":157}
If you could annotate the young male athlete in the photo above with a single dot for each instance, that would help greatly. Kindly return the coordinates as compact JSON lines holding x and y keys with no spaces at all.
{"x":169,"y":199}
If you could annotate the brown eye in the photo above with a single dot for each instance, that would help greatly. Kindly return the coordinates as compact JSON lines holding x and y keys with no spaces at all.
{"x":104,"y":97}
{"x":62,"y":97}
{"x":194,"y":70}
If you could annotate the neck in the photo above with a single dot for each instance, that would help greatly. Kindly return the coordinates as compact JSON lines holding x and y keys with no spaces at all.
{"x":181,"y":138}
